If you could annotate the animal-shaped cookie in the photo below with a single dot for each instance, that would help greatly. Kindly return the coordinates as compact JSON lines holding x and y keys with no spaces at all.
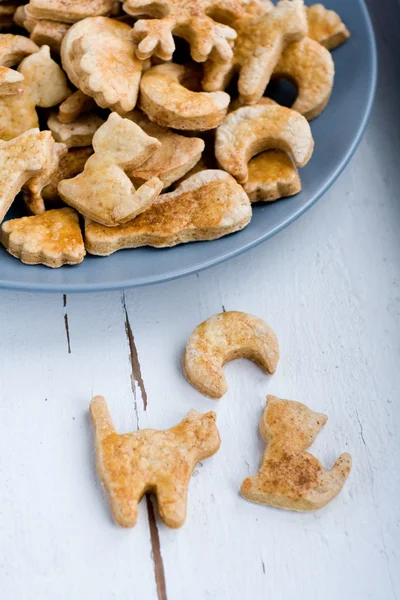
{"x":326,"y":27}
{"x":53,"y":238}
{"x":311,"y":68}
{"x":259,"y":45}
{"x":252,"y":129}
{"x":189,"y":19}
{"x":99,"y":58}
{"x":46,"y":80}
{"x":161,"y":462}
{"x":44,"y":85}
{"x":103,"y":192}
{"x":290,"y":477}
{"x":21,"y":159}
{"x":206,"y":206}
{"x":222,"y":338}
{"x":167,"y":102}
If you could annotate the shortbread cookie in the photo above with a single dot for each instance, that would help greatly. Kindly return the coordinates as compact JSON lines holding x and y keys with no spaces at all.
{"x":260,"y":43}
{"x":221,"y":339}
{"x":290,"y":477}
{"x":252,"y":129}
{"x":69,"y":166}
{"x":32,"y":191}
{"x":326,"y":27}
{"x":189,"y":19}
{"x":52,"y":239}
{"x":160,"y":462}
{"x":172,"y":160}
{"x":311,"y":68}
{"x":10,"y":81}
{"x":206,"y":206}
{"x":45,"y":78}
{"x":76,"y":134}
{"x":72,"y":108}
{"x":67,"y":11}
{"x":98,"y":56}
{"x":21,"y":159}
{"x":103,"y":192}
{"x":170,"y":104}
{"x":107,"y":67}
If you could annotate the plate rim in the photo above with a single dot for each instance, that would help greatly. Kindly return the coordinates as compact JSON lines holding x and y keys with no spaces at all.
{"x":177,"y":273}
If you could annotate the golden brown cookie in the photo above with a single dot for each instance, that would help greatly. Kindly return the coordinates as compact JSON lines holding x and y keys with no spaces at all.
{"x":206,"y":206}
{"x":223,"y":338}
{"x":326,"y":27}
{"x":290,"y":477}
{"x":52,"y":239}
{"x":150,"y":460}
{"x":311,"y":68}
{"x":169,"y":104}
{"x":190,"y":19}
{"x":103,"y":192}
{"x":252,"y":129}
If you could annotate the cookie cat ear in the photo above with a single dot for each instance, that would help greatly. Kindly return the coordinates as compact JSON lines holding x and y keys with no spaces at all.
{"x":222,"y":338}
{"x":253,"y":129}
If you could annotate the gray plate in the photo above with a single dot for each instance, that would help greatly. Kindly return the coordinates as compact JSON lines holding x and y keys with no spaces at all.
{"x":337,"y":132}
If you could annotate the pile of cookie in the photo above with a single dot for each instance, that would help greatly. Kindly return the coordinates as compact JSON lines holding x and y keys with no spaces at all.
{"x":162,"y":462}
{"x":106,"y":113}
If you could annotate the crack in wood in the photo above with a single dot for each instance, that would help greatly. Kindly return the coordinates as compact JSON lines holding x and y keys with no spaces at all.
{"x":156,"y":551}
{"x":136,"y":373}
{"x":66,"y":324}
{"x":136,"y":378}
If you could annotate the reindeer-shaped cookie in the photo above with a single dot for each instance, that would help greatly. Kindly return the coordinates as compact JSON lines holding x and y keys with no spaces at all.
{"x":289,"y":477}
{"x":151,"y":460}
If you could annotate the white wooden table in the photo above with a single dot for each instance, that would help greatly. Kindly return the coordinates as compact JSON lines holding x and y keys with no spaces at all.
{"x":330,"y":287}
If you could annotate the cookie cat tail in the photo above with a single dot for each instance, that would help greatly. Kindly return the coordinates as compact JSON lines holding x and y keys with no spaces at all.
{"x":101,"y":417}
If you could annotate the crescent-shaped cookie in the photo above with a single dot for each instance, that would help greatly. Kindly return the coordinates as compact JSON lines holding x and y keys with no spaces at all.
{"x":167,"y":102}
{"x":221,"y":339}
{"x":253,"y":129}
